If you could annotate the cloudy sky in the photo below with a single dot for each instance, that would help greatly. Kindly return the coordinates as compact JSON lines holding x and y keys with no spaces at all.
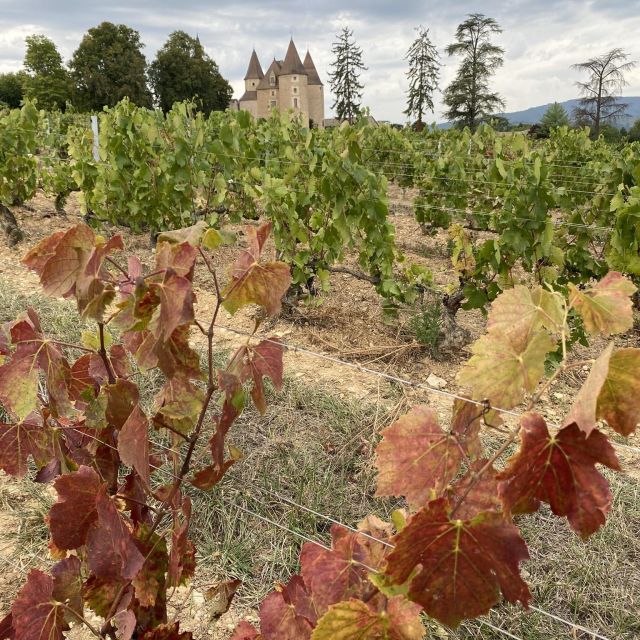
{"x":542,"y":38}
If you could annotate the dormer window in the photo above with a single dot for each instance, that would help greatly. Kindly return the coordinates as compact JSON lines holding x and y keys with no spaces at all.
{"x":272,"y":79}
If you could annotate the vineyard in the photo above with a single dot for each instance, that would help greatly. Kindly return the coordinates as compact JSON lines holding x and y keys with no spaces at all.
{"x":354,"y":383}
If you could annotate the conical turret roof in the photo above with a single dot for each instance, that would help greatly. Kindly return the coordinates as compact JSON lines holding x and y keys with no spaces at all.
{"x":292,"y":63}
{"x":311,"y":70}
{"x":254,"y":71}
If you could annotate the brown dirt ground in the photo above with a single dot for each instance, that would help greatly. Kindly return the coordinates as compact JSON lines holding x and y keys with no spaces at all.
{"x":348,"y":324}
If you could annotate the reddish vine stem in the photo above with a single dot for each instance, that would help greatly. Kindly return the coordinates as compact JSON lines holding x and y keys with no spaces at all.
{"x":103,"y":354}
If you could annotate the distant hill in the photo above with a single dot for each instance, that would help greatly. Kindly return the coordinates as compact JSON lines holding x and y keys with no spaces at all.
{"x":534,"y":114}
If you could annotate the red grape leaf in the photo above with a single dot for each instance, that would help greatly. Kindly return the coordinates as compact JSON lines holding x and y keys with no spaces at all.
{"x":180,"y":402}
{"x":150,"y":583}
{"x":583,"y":410}
{"x":560,"y":469}
{"x":182,"y":561}
{"x":505,"y":365}
{"x":69,"y":258}
{"x":254,"y":283}
{"x":167,"y":632}
{"x":471,"y":495}
{"x":125,"y":622}
{"x":279,"y":620}
{"x":605,"y":308}
{"x":466,"y":423}
{"x":180,"y":258}
{"x":111,"y":551}
{"x":416,"y":458}
{"x":67,"y":585}
{"x":122,"y":399}
{"x":7,"y":632}
{"x":255,"y":363}
{"x":19,"y":440}
{"x":133,"y":444}
{"x":19,"y":387}
{"x":35,"y":612}
{"x":88,"y":374}
{"x":176,"y":305}
{"x":521,"y":310}
{"x":245,"y":631}
{"x":341,"y":573}
{"x":75,"y":511}
{"x":355,"y":620}
{"x":38,"y":256}
{"x":31,"y":344}
{"x":458,"y":567}
{"x":99,"y":594}
{"x":134,"y":497}
{"x":619,"y":399}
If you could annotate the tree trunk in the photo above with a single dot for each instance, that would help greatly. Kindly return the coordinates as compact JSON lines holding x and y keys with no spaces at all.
{"x":452,"y":336}
{"x":10,"y":226}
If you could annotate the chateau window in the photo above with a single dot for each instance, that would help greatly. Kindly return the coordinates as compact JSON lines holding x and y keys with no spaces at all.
{"x":273,"y":103}
{"x":295,"y":89}
{"x":273,"y":93}
{"x":295,"y":102}
{"x":272,"y":80}
{"x":253,"y":84}
{"x":295,"y":78}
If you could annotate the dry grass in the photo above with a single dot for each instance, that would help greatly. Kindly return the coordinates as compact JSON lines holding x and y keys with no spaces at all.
{"x":316,"y":449}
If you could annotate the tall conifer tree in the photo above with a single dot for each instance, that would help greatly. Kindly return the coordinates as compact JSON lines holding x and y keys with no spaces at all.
{"x":345,"y":77}
{"x":423,"y":75}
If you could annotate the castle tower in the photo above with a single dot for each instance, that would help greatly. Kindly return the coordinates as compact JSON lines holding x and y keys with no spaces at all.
{"x":315,"y":93}
{"x":293,"y":85}
{"x":251,"y":80}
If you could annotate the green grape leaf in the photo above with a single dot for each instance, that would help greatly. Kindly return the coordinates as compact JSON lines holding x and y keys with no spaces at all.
{"x":560,"y":470}
{"x":416,"y":458}
{"x":355,"y":620}
{"x":505,"y":366}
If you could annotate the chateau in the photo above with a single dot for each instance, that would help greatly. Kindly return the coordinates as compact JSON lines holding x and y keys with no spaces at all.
{"x":288,"y":84}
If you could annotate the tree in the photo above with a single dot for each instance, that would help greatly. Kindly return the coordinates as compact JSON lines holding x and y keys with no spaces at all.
{"x":182,"y":71}
{"x":109,"y":65}
{"x":345,"y":78}
{"x":555,"y":116}
{"x":11,"y":89}
{"x":47,"y":80}
{"x":599,"y":104}
{"x":423,"y":75}
{"x":634,"y":132}
{"x":468,"y":97}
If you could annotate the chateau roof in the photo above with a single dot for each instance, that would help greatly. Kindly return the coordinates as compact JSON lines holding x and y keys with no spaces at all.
{"x":249,"y":95}
{"x":292,"y":63}
{"x":276,"y":67}
{"x":254,"y":71}
{"x":311,"y":70}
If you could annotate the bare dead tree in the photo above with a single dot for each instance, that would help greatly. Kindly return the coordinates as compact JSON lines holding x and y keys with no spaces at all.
{"x":599,"y":104}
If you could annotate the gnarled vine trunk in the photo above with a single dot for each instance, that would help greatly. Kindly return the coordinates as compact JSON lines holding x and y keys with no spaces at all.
{"x":10,"y":226}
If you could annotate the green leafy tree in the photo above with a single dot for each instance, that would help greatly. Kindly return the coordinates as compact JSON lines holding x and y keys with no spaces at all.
{"x":468,"y":98}
{"x":11,"y":89}
{"x":555,"y":116}
{"x":345,"y":77}
{"x":599,"y":104}
{"x":183,"y":71}
{"x":423,"y":75}
{"x":634,"y":131}
{"x":109,"y":65}
{"x":47,"y":80}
